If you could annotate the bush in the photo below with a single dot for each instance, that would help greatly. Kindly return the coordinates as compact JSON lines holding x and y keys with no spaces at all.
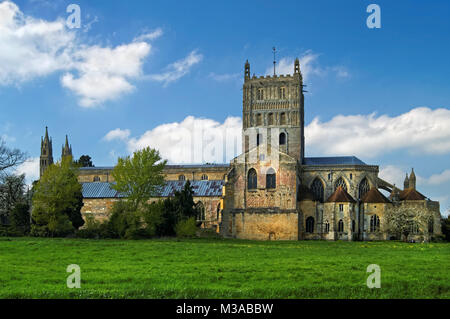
{"x":186,"y":228}
{"x":153,"y":217}
{"x":20,"y":218}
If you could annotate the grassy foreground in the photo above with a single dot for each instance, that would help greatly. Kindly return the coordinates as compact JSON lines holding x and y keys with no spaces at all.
{"x":206,"y":268}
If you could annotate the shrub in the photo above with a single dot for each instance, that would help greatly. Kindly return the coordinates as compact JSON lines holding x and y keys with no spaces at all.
{"x":152,"y":215}
{"x":20,"y":219}
{"x":186,"y":228}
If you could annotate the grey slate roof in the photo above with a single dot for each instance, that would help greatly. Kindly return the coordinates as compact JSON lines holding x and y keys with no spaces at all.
{"x":167,"y":166}
{"x":335,"y":160}
{"x":200,"y":188}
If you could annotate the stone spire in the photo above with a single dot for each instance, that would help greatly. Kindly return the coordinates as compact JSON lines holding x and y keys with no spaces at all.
{"x":66,"y":149}
{"x":46,"y":158}
{"x":406,"y":182}
{"x":297,"y":66}
{"x":412,"y":179}
{"x":247,"y":71}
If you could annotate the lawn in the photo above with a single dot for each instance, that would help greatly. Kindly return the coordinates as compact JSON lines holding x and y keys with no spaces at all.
{"x":207,"y":268}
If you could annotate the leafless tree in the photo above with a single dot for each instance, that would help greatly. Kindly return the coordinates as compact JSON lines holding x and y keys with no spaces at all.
{"x":9,"y":158}
{"x":407,"y":220}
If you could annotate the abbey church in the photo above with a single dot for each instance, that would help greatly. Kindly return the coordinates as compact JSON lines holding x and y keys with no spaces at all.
{"x":272,"y":191}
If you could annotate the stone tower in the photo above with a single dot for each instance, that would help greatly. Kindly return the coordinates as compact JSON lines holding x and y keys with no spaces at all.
{"x":66,"y":149}
{"x":46,"y":158}
{"x":273,"y":112}
{"x":406,"y":182}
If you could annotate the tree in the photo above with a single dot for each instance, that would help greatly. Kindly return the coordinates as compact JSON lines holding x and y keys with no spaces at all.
{"x":139,"y":177}
{"x":20,"y":218}
{"x":179,"y":208}
{"x":57,"y":201}
{"x":9,"y":158}
{"x":12,"y":189}
{"x":445,"y":224}
{"x":404,"y":221}
{"x":84,"y":161}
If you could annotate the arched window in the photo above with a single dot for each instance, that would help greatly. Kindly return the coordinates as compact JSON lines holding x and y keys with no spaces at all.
{"x":271,"y":178}
{"x":204,"y":177}
{"x":310,"y":225}
{"x":96,"y":179}
{"x":252,"y":179}
{"x":181,"y":178}
{"x":430,"y":226}
{"x":364,"y":187}
{"x":200,"y":211}
{"x":260,"y":94}
{"x":283,"y":118}
{"x":270,"y":119}
{"x":340,"y":226}
{"x":218,"y":212}
{"x":258,"y":119}
{"x":282,"y":138}
{"x":340,"y":182}
{"x":282,"y":93}
{"x":374,"y":223}
{"x":317,"y":189}
{"x":327,"y":227}
{"x":353,"y":226}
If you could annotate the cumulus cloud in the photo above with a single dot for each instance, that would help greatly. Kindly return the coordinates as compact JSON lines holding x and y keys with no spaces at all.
{"x":177,"y":69}
{"x":419,"y":130}
{"x":439,"y":179}
{"x":193,"y":140}
{"x":104,"y":73}
{"x":32,"y":48}
{"x":393,"y":174}
{"x":30,"y":168}
{"x":117,"y":134}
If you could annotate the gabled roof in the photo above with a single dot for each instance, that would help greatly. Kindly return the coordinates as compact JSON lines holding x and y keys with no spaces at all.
{"x":411,"y":194}
{"x":335,"y":160}
{"x":374,"y":196}
{"x":340,"y":195}
{"x":208,"y":188}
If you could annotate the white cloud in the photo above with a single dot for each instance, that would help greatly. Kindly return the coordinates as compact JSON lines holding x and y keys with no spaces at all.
{"x":419,"y":130}
{"x":309,"y":66}
{"x":149,"y":36}
{"x":177,"y":69}
{"x":393,"y":174}
{"x":32,"y":48}
{"x":104,"y":72}
{"x":30,"y":168}
{"x":193,"y":140}
{"x":438,"y":179}
{"x":117,"y":134}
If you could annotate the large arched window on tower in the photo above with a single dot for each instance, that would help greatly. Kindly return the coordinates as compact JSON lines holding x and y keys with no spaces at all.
{"x":374,"y":223}
{"x":340,"y":226}
{"x":271,"y":178}
{"x":283,"y":118}
{"x":259,"y":119}
{"x":252,"y":179}
{"x":340,"y":183}
{"x":364,"y":187}
{"x":317,"y":189}
{"x":310,"y":224}
{"x":282,"y":138}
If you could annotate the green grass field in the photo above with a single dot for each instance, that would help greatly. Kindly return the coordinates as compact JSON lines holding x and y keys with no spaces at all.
{"x":206,"y":268}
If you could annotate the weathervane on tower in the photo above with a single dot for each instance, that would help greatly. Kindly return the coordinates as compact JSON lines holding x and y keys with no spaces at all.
{"x":274,"y":61}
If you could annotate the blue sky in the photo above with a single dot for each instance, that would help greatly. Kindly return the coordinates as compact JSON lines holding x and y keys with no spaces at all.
{"x":381,"y":94}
